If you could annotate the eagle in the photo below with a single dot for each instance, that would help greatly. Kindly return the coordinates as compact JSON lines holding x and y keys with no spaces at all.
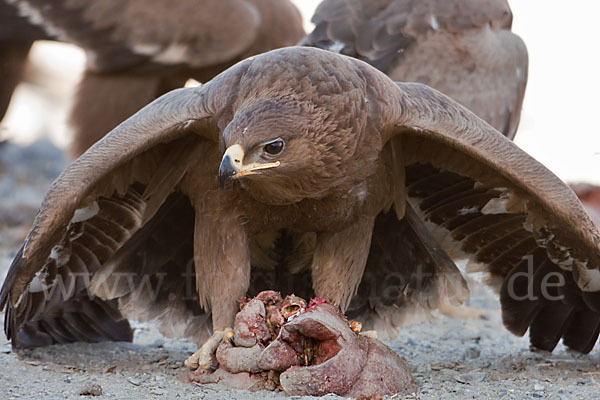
{"x":137,"y":50}
{"x":463,"y":48}
{"x":303,"y":170}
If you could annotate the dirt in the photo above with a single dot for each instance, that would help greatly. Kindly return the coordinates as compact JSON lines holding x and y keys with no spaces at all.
{"x":450,"y":358}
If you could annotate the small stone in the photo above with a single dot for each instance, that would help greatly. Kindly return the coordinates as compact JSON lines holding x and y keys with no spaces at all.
{"x":471,"y":353}
{"x":538,"y":388}
{"x":472,"y":377}
{"x":134,"y":381}
{"x":92,"y":389}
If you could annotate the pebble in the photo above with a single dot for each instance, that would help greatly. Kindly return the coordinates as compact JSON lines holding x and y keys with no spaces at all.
{"x":471,"y":353}
{"x":134,"y":381}
{"x":91,"y":389}
{"x":472,"y":377}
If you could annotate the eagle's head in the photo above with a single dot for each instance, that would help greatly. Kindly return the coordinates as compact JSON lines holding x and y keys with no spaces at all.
{"x":282,"y":152}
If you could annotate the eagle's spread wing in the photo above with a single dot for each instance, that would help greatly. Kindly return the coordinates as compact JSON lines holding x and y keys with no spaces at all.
{"x":465,"y":49}
{"x":138,"y":50}
{"x":145,"y":35}
{"x":486,"y":200}
{"x":120,"y":35}
{"x":114,"y":208}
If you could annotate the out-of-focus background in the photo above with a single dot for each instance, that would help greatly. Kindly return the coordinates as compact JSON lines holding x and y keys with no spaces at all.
{"x":559,"y":124}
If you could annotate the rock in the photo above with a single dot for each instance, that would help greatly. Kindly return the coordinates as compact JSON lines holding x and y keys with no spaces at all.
{"x":135,"y":381}
{"x":91,"y":389}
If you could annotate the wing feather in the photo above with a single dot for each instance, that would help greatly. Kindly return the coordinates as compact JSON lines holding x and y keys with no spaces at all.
{"x":375,"y":30}
{"x":407,"y":275}
{"x":463,"y":48}
{"x":131,"y":34}
{"x":91,"y":211}
{"x":487,"y":201}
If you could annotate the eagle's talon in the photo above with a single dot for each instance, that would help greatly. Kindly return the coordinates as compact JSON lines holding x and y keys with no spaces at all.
{"x":230,"y":336}
{"x":205,"y":357}
{"x":201,"y":360}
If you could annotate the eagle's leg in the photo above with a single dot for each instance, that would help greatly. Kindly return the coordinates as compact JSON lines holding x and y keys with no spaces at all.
{"x":222,"y":263}
{"x":339,"y":261}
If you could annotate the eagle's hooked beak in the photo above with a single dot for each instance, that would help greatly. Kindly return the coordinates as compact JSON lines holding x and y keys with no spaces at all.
{"x":232,"y":165}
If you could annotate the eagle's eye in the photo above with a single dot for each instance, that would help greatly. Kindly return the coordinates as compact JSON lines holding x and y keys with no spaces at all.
{"x":274,"y":147}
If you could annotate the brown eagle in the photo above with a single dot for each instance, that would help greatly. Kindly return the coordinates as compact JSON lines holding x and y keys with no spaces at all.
{"x":138,"y":50}
{"x":301,"y":170}
{"x":463,"y":48}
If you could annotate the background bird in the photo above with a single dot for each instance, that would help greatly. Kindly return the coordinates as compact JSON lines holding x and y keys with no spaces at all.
{"x":313,"y":151}
{"x":137,"y":50}
{"x":465,"y":49}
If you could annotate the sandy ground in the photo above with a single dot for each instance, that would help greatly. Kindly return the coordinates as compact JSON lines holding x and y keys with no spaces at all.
{"x":450,"y":358}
